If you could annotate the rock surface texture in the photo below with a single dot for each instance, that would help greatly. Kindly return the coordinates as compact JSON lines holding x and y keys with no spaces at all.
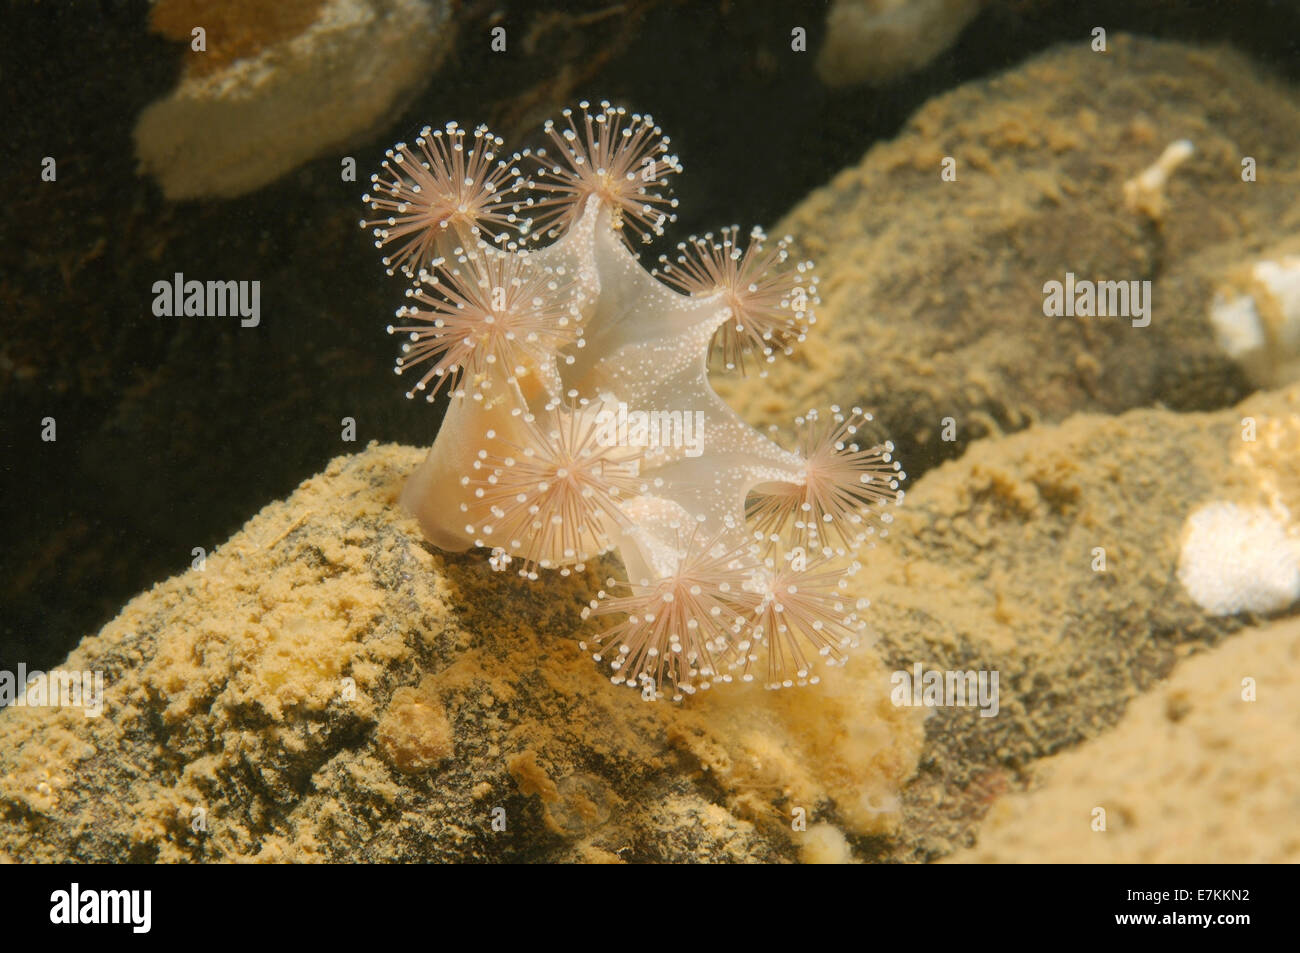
{"x":327,"y":687}
{"x":933,"y":291}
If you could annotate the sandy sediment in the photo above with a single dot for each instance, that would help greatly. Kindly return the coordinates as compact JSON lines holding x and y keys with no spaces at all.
{"x":1201,"y":769}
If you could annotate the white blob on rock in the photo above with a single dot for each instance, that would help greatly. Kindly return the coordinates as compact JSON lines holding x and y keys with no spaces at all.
{"x":824,"y":844}
{"x":1257,"y":322}
{"x":877,"y":41}
{"x":233,"y":131}
{"x":1238,"y":559}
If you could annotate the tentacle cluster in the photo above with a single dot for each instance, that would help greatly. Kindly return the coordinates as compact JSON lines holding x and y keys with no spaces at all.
{"x":581,"y":419}
{"x":771,"y":305}
{"x":620,"y":157}
{"x":845,"y":492}
{"x":442,"y":193}
{"x":482,"y":310}
{"x":553,"y":496}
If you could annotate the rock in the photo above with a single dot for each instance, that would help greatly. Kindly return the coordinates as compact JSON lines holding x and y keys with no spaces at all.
{"x":1200,"y":770}
{"x":327,"y":687}
{"x":276,"y":88}
{"x":933,"y":291}
{"x":875,"y":41}
{"x":1051,"y":557}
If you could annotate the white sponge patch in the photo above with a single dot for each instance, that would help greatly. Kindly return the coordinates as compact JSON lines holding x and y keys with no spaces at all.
{"x":1238,"y":559}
